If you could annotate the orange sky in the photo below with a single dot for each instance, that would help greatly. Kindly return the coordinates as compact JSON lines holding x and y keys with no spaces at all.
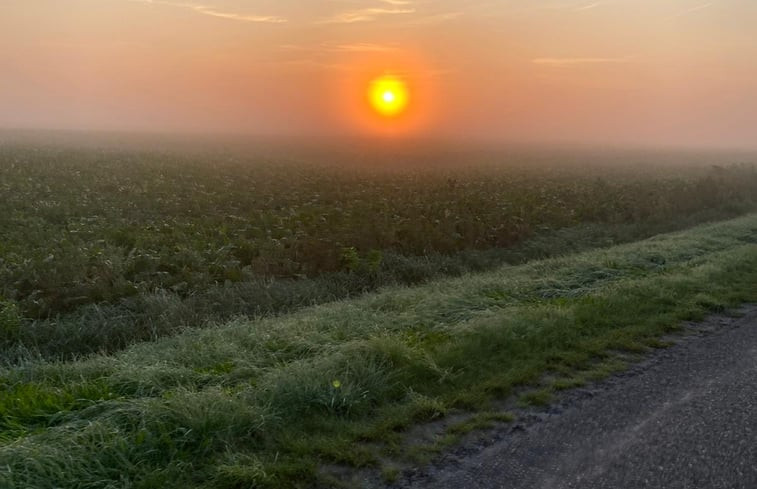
{"x":618,"y":71}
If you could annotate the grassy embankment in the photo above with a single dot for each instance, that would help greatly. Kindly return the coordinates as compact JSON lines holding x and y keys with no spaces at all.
{"x":262,"y":403}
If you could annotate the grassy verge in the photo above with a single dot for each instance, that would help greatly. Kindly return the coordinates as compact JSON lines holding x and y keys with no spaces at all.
{"x":264,"y":403}
{"x":109,"y":327}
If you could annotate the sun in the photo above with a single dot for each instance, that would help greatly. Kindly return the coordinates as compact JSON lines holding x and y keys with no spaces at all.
{"x":388,"y":95}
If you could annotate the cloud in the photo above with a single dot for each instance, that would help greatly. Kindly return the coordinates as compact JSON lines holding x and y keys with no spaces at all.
{"x":693,"y":9}
{"x":437,"y":18}
{"x":206,"y":10}
{"x":590,"y":6}
{"x":314,"y":63}
{"x":363,"y":47}
{"x":394,"y":7}
{"x":244,"y":18}
{"x":577,"y":61}
{"x":576,"y":6}
{"x":332,"y":47}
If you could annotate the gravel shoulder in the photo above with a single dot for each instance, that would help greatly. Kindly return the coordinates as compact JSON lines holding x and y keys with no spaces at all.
{"x":684,"y":417}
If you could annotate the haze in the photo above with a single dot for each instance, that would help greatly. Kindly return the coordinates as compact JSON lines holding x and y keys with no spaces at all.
{"x":678,"y":72}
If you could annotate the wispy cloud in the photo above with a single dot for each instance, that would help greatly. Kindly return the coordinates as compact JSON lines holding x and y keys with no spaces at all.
{"x":437,"y":18}
{"x":574,"y":6}
{"x":329,"y":54}
{"x":213,"y":12}
{"x":367,"y":14}
{"x":577,"y":61}
{"x":691,"y":10}
{"x":364,"y":15}
{"x":590,"y":6}
{"x":364,"y":47}
{"x":332,"y":47}
{"x":315,"y":64}
{"x":234,"y":16}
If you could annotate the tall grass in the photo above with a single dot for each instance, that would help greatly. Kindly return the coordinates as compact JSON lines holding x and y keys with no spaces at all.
{"x":262,"y":403}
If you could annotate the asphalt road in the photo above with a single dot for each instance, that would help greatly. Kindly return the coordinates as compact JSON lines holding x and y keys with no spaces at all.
{"x":685,"y":417}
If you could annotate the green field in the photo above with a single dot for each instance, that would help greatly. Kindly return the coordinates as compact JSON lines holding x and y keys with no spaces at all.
{"x":104,"y":246}
{"x":211,"y":320}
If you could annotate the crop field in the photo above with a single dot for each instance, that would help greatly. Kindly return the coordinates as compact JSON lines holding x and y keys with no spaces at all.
{"x":102,"y":247}
{"x":227,"y":319}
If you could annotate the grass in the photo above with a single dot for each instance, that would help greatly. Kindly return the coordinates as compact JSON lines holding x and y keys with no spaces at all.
{"x":540,"y":397}
{"x":264,"y":403}
{"x":104,"y":248}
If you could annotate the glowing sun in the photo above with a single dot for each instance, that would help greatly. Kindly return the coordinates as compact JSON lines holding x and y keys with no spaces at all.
{"x":388,"y":95}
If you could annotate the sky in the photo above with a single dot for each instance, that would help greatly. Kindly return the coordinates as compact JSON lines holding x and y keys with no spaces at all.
{"x":680,"y":72}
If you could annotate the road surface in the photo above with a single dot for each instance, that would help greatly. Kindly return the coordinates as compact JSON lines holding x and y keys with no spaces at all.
{"x":685,"y":417}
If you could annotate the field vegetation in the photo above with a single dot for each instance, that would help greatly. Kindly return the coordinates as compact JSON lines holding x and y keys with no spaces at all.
{"x":212,"y":320}
{"x":265,"y":403}
{"x":105,"y":247}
